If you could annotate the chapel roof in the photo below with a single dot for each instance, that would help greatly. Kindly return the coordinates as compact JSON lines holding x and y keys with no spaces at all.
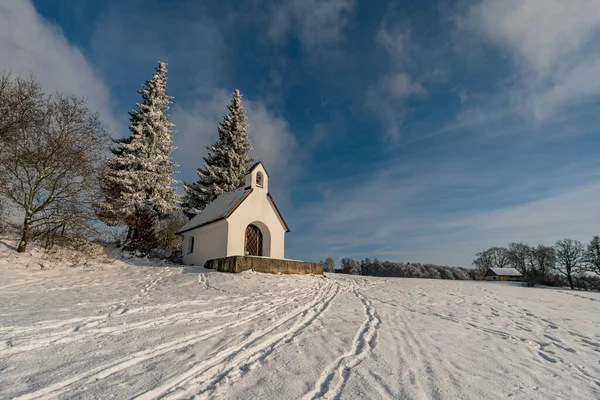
{"x":224,"y":205}
{"x":221,"y":208}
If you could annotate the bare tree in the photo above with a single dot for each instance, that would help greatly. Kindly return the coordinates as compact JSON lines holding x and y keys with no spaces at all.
{"x":592,"y":255}
{"x":545,"y":259}
{"x":500,"y":257}
{"x":20,"y":99}
{"x":570,"y":255}
{"x":350,"y":266}
{"x":329,"y":265}
{"x":494,"y":257}
{"x":49,"y":159}
{"x":166,"y":230}
{"x":517,"y":255}
{"x":483,"y":262}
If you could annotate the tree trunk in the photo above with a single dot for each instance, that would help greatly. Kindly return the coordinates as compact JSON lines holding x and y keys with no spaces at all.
{"x":25,"y":233}
{"x":570,"y":281}
{"x":129,"y":236}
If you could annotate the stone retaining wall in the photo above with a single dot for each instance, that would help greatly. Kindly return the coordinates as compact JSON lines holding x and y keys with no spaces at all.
{"x":267,"y":265}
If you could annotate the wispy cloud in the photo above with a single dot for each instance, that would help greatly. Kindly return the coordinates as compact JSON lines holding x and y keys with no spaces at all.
{"x":553,"y":45}
{"x":389,"y":97}
{"x":313,"y":22}
{"x":446,"y":212}
{"x":30,"y":43}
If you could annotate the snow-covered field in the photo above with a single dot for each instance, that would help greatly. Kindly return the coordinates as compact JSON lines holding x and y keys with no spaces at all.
{"x":125,"y":331}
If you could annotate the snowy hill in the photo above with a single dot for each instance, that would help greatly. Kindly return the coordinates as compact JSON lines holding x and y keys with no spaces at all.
{"x":119,"y":330}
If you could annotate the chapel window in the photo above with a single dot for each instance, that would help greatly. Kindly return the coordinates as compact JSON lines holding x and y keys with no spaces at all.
{"x":191,"y":246}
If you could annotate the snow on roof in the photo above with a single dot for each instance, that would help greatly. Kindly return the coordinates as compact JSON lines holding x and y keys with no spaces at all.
{"x":220,"y":208}
{"x":506,"y":272}
{"x":256,"y":164}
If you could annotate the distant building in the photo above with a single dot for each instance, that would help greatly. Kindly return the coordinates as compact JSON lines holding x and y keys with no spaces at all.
{"x":503,"y":274}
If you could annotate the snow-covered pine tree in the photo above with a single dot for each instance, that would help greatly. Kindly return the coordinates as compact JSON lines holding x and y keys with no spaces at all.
{"x":226,"y":164}
{"x":138,"y":183}
{"x":108,"y":210}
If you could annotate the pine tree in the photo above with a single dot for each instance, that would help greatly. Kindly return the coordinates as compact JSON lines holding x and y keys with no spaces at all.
{"x":226,"y":164}
{"x":143,"y":238}
{"x":138,"y":182}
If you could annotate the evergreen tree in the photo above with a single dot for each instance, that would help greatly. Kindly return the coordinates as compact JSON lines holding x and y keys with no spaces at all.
{"x":226,"y":164}
{"x":143,"y":237}
{"x":138,"y":183}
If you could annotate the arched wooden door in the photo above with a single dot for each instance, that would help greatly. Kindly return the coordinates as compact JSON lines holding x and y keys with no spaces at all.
{"x":254,"y":241}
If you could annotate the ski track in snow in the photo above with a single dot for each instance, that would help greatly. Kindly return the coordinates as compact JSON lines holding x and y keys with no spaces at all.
{"x":331,"y":383}
{"x":147,"y":333}
{"x":257,"y":347}
{"x":136,"y":358}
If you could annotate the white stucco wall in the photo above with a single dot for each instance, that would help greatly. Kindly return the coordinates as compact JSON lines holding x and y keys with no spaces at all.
{"x":210,"y":242}
{"x":258,"y":210}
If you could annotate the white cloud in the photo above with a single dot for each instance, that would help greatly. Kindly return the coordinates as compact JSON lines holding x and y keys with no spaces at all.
{"x":274,"y":143}
{"x":571,"y":213}
{"x":578,"y":83}
{"x":554,"y":46}
{"x":400,"y":86}
{"x":272,"y":139}
{"x":394,"y":37}
{"x":315,"y":22}
{"x":388,"y":97}
{"x":445,"y":213}
{"x":29,"y":43}
{"x":539,"y":33}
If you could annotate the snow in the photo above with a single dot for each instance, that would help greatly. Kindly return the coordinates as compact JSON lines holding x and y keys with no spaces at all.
{"x":506,"y":272}
{"x":217,"y":209}
{"x":140,"y":329}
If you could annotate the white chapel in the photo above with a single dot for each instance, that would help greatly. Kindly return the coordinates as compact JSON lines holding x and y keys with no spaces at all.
{"x":244,"y":222}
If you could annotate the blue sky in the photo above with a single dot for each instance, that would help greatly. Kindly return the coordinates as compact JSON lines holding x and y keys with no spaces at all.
{"x":407,"y":130}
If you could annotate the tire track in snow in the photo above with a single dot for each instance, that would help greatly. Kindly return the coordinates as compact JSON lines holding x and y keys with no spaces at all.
{"x":332,"y":382}
{"x":202,"y":378}
{"x":427,"y":365}
{"x":239,"y":366}
{"x":21,"y":283}
{"x":93,"y":331}
{"x":82,"y":321}
{"x":102,"y":372}
{"x":78,"y":321}
{"x":39,"y":341}
{"x":406,"y":358}
{"x":28,"y":338}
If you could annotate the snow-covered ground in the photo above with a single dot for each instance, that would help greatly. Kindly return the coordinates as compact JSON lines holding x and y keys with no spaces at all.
{"x":139,"y":330}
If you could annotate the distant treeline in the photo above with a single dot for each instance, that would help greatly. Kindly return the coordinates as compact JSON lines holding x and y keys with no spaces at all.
{"x":567,"y":263}
{"x":376,"y":267}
